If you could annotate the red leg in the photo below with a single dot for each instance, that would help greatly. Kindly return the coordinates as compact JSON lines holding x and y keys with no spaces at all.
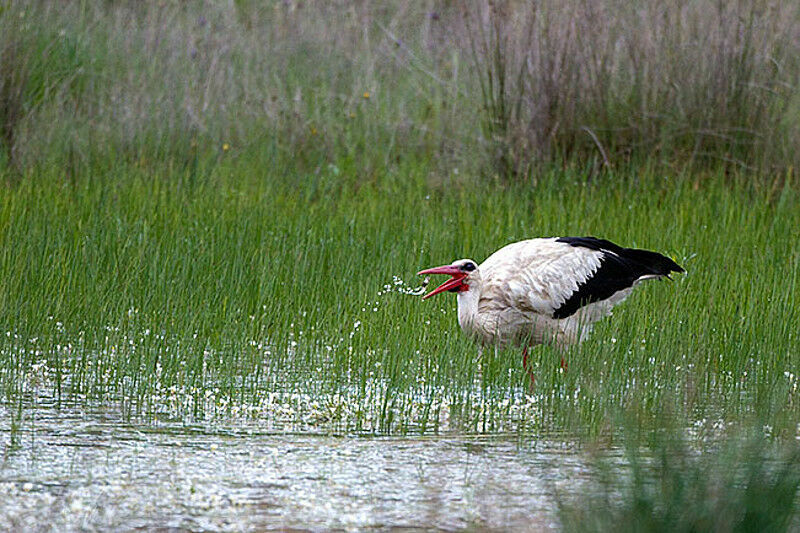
{"x":563,"y":364}
{"x":525,"y":365}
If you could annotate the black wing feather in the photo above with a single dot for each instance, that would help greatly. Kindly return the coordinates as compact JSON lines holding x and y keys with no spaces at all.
{"x":619,"y":269}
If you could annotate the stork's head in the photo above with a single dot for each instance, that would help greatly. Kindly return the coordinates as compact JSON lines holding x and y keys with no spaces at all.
{"x":464,"y":272}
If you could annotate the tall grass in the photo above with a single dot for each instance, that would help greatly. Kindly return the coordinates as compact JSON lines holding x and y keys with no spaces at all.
{"x":686,"y":84}
{"x":211,"y":199}
{"x":309,"y":83}
{"x":175,"y":82}
{"x":155,"y":289}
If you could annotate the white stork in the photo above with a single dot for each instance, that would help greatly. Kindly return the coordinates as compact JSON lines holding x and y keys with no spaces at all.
{"x":547,"y":290}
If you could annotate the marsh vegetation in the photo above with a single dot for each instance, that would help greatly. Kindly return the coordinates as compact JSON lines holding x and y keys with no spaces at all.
{"x":211,"y":217}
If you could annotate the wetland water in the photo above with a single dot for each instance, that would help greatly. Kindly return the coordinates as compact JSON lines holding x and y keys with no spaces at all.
{"x":78,"y":468}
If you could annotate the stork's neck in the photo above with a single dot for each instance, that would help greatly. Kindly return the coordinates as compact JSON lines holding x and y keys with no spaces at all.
{"x":468,"y":306}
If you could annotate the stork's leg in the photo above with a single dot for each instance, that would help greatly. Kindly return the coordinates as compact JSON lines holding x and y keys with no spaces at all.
{"x":525,"y":365}
{"x":561,"y":342}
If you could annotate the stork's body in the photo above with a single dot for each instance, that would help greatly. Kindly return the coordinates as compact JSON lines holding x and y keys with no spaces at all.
{"x":546,"y":290}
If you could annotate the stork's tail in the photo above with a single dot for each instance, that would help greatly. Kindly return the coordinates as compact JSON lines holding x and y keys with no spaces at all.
{"x":644,"y":262}
{"x":620,"y":268}
{"x":652,"y":263}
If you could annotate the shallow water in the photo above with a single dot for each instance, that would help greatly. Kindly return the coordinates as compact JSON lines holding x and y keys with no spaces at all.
{"x":90,"y":469}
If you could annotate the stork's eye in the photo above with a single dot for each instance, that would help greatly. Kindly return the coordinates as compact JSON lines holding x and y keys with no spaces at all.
{"x":468,"y":267}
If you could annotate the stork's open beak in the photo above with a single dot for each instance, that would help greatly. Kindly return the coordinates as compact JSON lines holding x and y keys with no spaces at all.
{"x":453,"y":283}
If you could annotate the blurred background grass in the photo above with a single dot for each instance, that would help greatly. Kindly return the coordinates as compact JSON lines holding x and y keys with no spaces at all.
{"x":493,"y":88}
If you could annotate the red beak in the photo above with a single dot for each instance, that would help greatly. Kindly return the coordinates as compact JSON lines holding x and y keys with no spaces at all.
{"x":453,"y":283}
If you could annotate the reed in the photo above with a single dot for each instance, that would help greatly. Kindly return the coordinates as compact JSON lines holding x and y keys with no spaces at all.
{"x":687,"y":85}
{"x":499,"y":88}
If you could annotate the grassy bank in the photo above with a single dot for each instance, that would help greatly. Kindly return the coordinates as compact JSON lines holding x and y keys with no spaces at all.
{"x":243,"y":289}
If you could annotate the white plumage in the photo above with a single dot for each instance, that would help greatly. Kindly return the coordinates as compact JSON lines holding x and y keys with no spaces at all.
{"x":548,"y":290}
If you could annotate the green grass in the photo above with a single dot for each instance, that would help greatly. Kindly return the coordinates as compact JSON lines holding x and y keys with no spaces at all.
{"x":251,"y":281}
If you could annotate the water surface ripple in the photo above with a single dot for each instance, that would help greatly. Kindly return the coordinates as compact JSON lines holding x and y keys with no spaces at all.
{"x":78,"y":469}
